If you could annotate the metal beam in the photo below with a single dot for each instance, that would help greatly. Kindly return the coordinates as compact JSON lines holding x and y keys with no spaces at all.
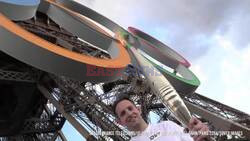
{"x":60,"y":108}
{"x":217,"y":121}
{"x":63,"y":138}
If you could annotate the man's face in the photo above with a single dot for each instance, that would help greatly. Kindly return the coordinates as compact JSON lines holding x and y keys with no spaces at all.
{"x":128,"y":114}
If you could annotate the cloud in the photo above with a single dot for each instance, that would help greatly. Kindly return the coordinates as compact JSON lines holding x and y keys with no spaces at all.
{"x":188,"y":23}
{"x":235,"y":68}
{"x":226,"y":71}
{"x":197,"y":70}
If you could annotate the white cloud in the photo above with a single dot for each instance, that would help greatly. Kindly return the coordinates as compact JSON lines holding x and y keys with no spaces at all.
{"x":227,"y":71}
{"x":185,"y":22}
{"x":237,"y":97}
{"x":235,"y":77}
{"x":197,"y":70}
{"x":246,"y":56}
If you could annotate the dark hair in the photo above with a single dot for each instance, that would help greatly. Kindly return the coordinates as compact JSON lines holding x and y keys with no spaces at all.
{"x":121,"y":98}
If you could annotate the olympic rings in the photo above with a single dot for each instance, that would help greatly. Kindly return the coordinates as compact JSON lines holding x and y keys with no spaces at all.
{"x":33,"y":50}
{"x":68,"y":15}
{"x":165,"y":55}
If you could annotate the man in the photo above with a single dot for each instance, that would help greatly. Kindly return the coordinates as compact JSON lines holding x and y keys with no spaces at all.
{"x":130,"y":116}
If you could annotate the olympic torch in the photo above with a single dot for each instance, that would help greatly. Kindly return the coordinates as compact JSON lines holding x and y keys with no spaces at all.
{"x":159,"y":84}
{"x":163,"y":89}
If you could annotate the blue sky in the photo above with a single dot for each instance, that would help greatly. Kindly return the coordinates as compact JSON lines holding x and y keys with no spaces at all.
{"x":23,"y":2}
{"x":213,"y":35}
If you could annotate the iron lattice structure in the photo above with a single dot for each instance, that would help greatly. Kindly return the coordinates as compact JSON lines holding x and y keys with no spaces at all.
{"x":50,"y":99}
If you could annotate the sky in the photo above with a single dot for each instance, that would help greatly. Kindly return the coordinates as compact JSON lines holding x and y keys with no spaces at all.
{"x":22,"y":2}
{"x":212,"y":35}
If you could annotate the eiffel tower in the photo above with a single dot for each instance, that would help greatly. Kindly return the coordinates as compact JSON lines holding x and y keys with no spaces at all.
{"x":35,"y":103}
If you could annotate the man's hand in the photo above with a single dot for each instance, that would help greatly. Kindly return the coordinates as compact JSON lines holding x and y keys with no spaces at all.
{"x":196,"y":125}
